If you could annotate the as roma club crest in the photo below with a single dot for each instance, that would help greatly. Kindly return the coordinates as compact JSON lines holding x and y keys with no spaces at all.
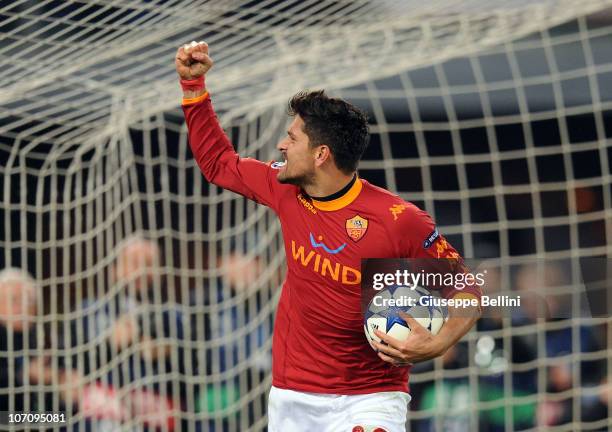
{"x":356,"y":227}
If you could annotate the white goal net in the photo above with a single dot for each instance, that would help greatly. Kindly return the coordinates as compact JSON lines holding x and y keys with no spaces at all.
{"x":136,"y":296}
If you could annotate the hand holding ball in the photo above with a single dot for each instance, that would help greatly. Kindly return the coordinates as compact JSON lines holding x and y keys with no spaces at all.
{"x":383,"y":313}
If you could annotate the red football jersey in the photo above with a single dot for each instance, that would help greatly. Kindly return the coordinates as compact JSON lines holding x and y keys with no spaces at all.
{"x":319,"y":343}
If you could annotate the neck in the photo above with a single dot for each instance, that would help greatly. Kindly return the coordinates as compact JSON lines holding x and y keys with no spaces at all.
{"x":328,"y":185}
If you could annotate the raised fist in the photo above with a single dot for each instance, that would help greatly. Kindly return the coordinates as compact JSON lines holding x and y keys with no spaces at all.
{"x":192,"y":60}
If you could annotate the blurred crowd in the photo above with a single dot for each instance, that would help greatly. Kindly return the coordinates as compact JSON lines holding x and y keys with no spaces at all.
{"x":131,"y":356}
{"x":137,"y":357}
{"x":539,"y":365}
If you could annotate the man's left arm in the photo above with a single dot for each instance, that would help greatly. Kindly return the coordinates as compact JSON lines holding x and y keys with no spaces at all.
{"x":435,"y":254}
{"x":421,"y":345}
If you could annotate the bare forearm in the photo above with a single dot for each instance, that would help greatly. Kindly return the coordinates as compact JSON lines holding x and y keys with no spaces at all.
{"x":460,"y":321}
{"x":421,"y":345}
{"x":191,"y":94}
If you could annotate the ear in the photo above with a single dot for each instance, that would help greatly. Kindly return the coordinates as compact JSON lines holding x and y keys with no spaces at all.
{"x":322,"y":153}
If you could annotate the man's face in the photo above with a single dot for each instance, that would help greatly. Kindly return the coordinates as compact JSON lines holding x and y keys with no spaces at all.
{"x":298,"y":155}
{"x":18,"y":304}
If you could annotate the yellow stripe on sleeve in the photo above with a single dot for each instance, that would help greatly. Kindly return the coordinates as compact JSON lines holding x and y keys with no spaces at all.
{"x":190,"y":101}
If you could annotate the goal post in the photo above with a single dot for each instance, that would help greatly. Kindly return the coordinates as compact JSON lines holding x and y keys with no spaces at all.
{"x":158,"y":290}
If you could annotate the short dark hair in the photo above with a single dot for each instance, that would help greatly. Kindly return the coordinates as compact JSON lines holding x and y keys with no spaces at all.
{"x":334,"y":122}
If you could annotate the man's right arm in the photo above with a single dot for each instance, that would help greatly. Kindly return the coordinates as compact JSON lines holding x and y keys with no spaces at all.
{"x":211,"y":148}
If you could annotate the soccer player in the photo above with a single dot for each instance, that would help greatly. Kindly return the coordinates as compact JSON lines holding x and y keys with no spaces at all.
{"x":325,"y":375}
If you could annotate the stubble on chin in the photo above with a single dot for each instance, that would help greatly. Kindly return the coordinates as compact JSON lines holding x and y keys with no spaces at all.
{"x":300,"y":181}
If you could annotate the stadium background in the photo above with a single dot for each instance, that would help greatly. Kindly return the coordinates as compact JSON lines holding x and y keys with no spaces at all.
{"x":493,"y":117}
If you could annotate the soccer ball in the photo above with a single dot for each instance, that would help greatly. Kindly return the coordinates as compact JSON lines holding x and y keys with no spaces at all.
{"x":380,"y":315}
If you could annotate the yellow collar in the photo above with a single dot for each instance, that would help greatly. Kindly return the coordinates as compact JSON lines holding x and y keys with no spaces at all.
{"x":341,"y":202}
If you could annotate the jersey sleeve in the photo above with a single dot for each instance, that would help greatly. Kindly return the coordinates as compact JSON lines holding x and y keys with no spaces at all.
{"x":220,"y":164}
{"x":421,"y":239}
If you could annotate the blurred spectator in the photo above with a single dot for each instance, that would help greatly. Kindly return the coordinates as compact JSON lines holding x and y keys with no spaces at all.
{"x":137,"y":337}
{"x":596,"y":406}
{"x":547,"y":295}
{"x":19,"y":300}
{"x":540,"y":285}
{"x":17,"y":333}
{"x":554,"y":411}
{"x":493,"y":355}
{"x":22,"y":364}
{"x":450,"y":399}
{"x":237,"y":329}
{"x":544,"y":288}
{"x":241,"y":275}
{"x":522,"y":347}
{"x":116,"y":314}
{"x":137,"y":263}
